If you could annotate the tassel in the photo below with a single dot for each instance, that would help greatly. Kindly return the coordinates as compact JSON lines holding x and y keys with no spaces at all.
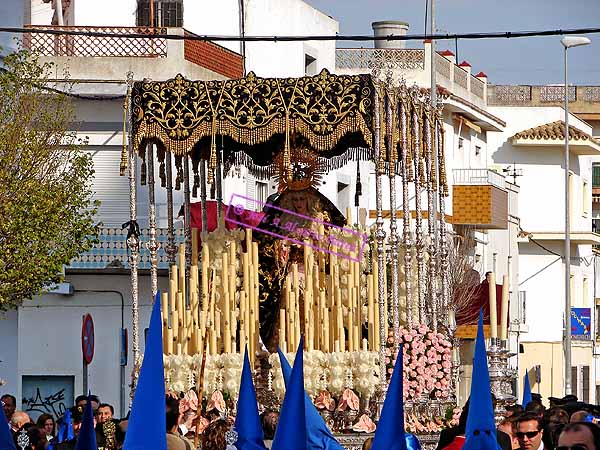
{"x":212,"y":162}
{"x":144,"y":169}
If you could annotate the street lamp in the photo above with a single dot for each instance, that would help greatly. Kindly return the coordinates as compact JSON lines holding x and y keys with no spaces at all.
{"x":568,"y":42}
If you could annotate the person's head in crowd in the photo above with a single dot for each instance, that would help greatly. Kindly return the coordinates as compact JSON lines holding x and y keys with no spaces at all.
{"x":105,"y":412}
{"x":551,"y":432}
{"x":46,"y":423}
{"x":509,"y":427}
{"x":268,"y":421}
{"x":173,"y":414}
{"x":213,"y":437}
{"x":529,"y":431}
{"x":76,"y":418}
{"x":9,"y":404}
{"x":513,"y":410}
{"x":537,"y":398}
{"x":18,"y":419}
{"x":581,"y":435}
{"x":556,"y":415}
{"x":81,"y":400}
{"x":579,"y":416}
{"x":367,"y":443}
{"x":535,"y":408}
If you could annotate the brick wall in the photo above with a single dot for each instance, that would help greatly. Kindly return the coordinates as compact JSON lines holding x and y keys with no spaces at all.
{"x":214,"y":57}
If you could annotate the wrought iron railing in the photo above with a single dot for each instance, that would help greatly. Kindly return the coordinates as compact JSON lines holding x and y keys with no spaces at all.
{"x":154,"y":46}
{"x":478,"y":177}
{"x":111,"y":250}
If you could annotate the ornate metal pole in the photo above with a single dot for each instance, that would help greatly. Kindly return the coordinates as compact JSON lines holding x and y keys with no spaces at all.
{"x":219,"y":183}
{"x":203,"y":194}
{"x":170,"y":248}
{"x":379,"y":237}
{"x":406,"y":235}
{"x":443,"y":245}
{"x":187,"y":225}
{"x":152,"y":244}
{"x":394,"y":241}
{"x":133,"y":243}
{"x":431,"y":220}
{"x":420,"y":244}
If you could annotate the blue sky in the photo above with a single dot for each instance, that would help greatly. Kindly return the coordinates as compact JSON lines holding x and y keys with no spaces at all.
{"x":536,"y":60}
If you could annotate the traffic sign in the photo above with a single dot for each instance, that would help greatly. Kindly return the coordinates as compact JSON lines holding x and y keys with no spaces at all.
{"x":87,"y":338}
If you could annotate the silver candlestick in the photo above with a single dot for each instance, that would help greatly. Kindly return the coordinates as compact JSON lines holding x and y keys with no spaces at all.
{"x":501,"y":376}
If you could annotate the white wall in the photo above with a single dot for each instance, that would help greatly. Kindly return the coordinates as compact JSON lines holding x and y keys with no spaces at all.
{"x":13,"y":13}
{"x":114,"y":13}
{"x":265,"y":18}
{"x":49,"y":340}
{"x":9,"y":352}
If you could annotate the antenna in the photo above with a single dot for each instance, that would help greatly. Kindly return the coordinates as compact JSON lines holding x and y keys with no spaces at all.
{"x":512,"y":171}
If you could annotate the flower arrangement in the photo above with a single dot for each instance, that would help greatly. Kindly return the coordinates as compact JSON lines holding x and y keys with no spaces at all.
{"x":427,"y":362}
{"x":332,"y":372}
{"x":221,"y":373}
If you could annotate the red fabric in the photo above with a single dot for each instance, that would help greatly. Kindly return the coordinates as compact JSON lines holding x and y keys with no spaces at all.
{"x":247,"y":217}
{"x":456,"y":444}
{"x":470,"y":315}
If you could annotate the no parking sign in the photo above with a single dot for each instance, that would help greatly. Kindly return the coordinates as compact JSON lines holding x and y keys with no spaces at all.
{"x":87,"y":338}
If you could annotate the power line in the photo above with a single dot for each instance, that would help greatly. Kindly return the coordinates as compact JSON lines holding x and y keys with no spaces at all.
{"x":408,"y":37}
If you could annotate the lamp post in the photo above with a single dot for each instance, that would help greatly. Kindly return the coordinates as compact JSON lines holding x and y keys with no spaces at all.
{"x":568,"y":42}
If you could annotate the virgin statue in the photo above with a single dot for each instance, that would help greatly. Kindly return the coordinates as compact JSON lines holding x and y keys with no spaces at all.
{"x":293,"y":216}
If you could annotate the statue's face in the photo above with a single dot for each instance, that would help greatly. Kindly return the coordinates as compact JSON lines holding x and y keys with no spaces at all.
{"x":300,"y":203}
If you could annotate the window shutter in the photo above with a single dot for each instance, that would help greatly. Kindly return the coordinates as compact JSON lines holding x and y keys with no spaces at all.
{"x":585,"y":375}
{"x":251,"y":192}
{"x":574,"y":381}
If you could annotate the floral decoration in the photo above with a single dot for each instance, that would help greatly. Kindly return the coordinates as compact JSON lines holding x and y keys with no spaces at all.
{"x":427,"y":362}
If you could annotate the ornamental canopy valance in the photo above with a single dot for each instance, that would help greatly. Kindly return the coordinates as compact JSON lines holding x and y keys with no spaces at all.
{"x":331,"y":112}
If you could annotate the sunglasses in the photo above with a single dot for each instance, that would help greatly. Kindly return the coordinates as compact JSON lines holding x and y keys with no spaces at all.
{"x":530,"y":435}
{"x":574,"y":447}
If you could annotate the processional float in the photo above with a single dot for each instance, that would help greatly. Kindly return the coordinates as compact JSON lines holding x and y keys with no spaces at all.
{"x":355,"y":291}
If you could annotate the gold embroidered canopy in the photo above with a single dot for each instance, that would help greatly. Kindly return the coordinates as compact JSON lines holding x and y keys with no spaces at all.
{"x":333,"y":113}
{"x":254,"y":119}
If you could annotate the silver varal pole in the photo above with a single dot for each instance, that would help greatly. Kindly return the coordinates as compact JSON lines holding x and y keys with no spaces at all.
{"x":379,"y":237}
{"x":394,"y":241}
{"x":133,"y":244}
{"x":420,"y":244}
{"x":406,"y":234}
{"x":152,"y":244}
{"x":431,"y":220}
{"x":171,"y":248}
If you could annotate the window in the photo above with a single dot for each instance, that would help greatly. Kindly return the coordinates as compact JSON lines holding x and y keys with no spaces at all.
{"x":167,"y":13}
{"x":262,"y":193}
{"x":310,"y":64}
{"x":580,"y":382}
{"x":461,"y":142}
{"x":585,"y":288}
{"x":596,"y":175}
{"x":477,"y":150}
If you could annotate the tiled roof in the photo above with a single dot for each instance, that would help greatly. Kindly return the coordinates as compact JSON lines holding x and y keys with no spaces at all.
{"x":554,"y":130}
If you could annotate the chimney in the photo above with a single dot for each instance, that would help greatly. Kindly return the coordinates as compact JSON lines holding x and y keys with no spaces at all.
{"x":387,"y":28}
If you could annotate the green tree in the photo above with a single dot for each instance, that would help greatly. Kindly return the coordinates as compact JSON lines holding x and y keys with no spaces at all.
{"x":47,"y":213}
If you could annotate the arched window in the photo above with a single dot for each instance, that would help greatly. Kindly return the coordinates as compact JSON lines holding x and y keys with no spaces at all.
{"x":167,"y":13}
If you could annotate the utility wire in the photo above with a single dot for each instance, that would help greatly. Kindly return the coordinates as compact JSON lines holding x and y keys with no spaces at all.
{"x":357,"y":37}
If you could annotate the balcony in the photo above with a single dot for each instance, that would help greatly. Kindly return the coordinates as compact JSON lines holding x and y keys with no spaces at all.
{"x":111,"y":57}
{"x":414,"y":65}
{"x":111,"y":250}
{"x":479,"y":199}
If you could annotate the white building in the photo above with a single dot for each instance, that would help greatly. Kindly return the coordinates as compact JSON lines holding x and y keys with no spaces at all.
{"x":533,"y":143}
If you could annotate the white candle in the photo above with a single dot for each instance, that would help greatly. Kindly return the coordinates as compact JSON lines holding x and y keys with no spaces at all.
{"x":493,"y":310}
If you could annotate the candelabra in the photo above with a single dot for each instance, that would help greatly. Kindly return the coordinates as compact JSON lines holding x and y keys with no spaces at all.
{"x":501,"y":376}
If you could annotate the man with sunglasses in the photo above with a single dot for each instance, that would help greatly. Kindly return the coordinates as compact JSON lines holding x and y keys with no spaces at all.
{"x":579,"y":436}
{"x":529,"y":432}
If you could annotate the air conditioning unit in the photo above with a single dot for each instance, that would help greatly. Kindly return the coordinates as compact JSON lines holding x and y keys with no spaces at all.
{"x":61,"y":289}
